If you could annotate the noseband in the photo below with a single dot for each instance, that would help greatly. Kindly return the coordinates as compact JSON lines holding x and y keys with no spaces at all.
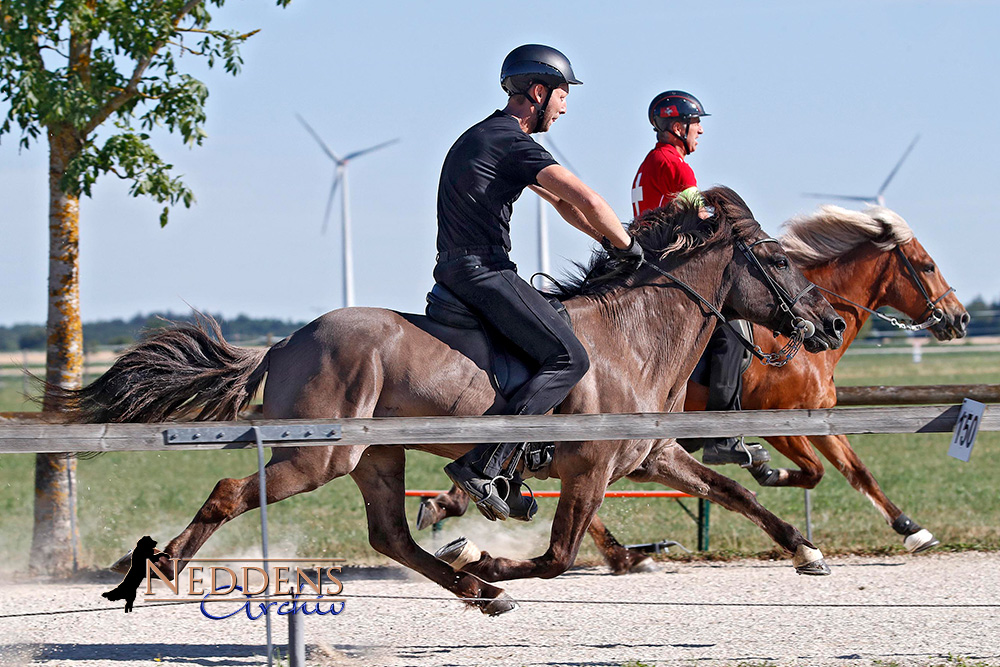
{"x":936,"y":314}
{"x":802,"y":328}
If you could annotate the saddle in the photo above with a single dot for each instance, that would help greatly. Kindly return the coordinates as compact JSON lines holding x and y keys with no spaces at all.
{"x":451,"y":321}
{"x":508,"y":367}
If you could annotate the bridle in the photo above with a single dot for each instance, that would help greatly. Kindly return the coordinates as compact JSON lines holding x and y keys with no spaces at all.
{"x":936,"y":314}
{"x":802,"y":328}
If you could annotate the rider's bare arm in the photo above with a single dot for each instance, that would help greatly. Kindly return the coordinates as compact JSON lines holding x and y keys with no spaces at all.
{"x":600,"y":220}
{"x":569,"y":213}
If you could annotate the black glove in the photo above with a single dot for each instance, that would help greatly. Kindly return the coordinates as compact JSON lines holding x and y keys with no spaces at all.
{"x":632,"y":254}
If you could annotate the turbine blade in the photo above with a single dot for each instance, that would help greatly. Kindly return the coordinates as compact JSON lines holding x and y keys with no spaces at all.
{"x":322,"y":144}
{"x":329,"y":203}
{"x":351,"y":156}
{"x":551,"y":145}
{"x":820,"y":195}
{"x":899,"y":164}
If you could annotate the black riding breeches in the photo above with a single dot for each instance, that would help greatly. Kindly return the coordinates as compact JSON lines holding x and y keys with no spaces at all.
{"x":725,"y":356}
{"x":488,"y":284}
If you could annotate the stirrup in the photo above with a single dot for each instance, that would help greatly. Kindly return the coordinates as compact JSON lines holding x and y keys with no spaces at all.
{"x":526,"y":506}
{"x":744,"y":454}
{"x":485,"y":494}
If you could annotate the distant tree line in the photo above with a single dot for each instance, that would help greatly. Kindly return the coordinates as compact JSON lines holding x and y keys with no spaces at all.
{"x":121,"y":333}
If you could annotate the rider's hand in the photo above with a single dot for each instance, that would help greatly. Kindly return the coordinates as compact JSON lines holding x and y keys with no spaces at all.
{"x":632,"y":254}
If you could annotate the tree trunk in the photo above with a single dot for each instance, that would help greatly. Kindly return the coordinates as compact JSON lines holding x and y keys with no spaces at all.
{"x":54,"y":544}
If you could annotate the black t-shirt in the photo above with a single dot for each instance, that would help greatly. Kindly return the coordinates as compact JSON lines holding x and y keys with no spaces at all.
{"x":483,"y":175}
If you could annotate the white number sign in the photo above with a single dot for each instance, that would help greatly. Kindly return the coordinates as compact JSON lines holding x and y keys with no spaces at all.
{"x":966,"y":429}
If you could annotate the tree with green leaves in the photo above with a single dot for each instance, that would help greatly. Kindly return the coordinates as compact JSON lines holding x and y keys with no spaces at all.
{"x":94,"y":78}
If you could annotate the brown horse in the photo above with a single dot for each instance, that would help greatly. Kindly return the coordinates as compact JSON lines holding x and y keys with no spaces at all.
{"x":643,"y":335}
{"x":862,"y":260}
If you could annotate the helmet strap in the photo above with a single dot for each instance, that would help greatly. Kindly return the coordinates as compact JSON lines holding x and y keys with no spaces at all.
{"x":540,"y":114}
{"x":683,"y":138}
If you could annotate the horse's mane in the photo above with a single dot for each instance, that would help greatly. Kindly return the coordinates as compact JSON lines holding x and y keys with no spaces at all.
{"x":674,"y":230}
{"x":832,"y":231}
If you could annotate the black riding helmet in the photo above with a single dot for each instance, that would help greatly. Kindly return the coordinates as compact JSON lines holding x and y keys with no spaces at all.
{"x":675,"y":105}
{"x":534,"y":63}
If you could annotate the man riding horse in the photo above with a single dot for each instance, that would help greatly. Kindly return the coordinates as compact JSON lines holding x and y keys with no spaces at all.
{"x":663,"y":176}
{"x":483,"y":175}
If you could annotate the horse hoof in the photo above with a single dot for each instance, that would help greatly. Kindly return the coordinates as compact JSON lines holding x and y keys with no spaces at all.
{"x":427,"y":515}
{"x":647,"y":564}
{"x":808,"y":560}
{"x":501,"y":604}
{"x":459,"y":553}
{"x":922,"y":540}
{"x":122,"y":565}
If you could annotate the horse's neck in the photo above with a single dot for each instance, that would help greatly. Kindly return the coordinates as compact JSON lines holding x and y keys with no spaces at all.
{"x":859,"y":276}
{"x":651,"y":336}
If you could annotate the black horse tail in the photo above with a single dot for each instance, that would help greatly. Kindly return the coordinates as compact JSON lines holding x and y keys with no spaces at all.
{"x":186,"y":370}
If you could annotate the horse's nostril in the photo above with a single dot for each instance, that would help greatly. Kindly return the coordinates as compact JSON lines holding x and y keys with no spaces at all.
{"x":839,"y":325}
{"x":964,"y":320}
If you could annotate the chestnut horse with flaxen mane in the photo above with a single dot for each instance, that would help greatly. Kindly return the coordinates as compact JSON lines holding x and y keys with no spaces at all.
{"x":643,"y":335}
{"x":861,"y":261}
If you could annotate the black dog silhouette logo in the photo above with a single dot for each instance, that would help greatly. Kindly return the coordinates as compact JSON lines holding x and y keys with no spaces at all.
{"x":126,"y":590}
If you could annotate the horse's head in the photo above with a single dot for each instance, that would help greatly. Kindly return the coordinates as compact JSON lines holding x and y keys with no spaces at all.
{"x":922,"y":294}
{"x":873,"y":256}
{"x":766,"y":287}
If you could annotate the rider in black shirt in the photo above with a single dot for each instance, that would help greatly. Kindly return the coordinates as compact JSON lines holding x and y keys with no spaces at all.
{"x":483,"y":174}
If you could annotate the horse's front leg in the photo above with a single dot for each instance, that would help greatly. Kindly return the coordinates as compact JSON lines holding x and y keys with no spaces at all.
{"x":672,"y":466}
{"x":452,"y":502}
{"x":837,"y":448}
{"x":289,"y":472}
{"x":579,"y":499}
{"x":380,"y":476}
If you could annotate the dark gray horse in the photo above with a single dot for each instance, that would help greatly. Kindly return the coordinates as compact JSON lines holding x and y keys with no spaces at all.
{"x":643,"y":333}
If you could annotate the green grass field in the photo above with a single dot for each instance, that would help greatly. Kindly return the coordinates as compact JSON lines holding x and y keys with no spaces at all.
{"x":126,"y":495}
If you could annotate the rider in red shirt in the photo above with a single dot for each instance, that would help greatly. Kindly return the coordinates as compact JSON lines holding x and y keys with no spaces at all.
{"x":663,"y":176}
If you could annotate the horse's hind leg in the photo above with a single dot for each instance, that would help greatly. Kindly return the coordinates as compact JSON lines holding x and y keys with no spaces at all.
{"x":837,"y":448}
{"x":452,"y":502}
{"x":618,"y":558}
{"x":289,"y":472}
{"x":674,"y":467}
{"x":380,"y":476}
{"x":800,"y":452}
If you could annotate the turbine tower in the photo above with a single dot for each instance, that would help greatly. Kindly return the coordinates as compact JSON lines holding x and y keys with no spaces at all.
{"x":878,"y":197}
{"x":340,"y":177}
{"x":543,"y":222}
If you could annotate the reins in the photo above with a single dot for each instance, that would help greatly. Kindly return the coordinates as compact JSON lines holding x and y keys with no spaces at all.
{"x":936,"y":314}
{"x":803,"y":328}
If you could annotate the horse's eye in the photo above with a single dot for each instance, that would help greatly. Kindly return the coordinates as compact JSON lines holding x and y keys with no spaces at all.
{"x":929,"y":268}
{"x":780,"y":262}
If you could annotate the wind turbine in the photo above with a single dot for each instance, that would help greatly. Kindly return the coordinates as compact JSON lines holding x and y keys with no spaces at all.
{"x":339,"y":177}
{"x":543,"y":222}
{"x":878,"y":197}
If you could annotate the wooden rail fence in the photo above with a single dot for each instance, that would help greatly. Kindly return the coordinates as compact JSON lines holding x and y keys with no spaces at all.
{"x":52,"y":438}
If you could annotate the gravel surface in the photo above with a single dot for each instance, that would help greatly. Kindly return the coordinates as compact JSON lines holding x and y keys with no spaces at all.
{"x":905,"y":610}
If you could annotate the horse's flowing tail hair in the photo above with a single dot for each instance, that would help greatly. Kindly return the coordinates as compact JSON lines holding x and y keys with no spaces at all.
{"x":186,"y":370}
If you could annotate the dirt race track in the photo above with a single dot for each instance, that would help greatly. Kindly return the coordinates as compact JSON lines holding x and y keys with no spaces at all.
{"x":901,"y":610}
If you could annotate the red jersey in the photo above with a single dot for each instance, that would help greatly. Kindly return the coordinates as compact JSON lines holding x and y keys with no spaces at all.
{"x":661,"y":177}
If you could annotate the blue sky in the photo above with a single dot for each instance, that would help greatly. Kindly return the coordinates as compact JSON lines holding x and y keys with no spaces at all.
{"x":804,"y":97}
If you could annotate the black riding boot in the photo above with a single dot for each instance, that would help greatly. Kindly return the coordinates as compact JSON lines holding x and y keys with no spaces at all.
{"x":725,"y":382}
{"x":480,"y":473}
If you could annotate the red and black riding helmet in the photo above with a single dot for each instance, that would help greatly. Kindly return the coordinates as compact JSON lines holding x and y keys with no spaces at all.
{"x":675,"y":105}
